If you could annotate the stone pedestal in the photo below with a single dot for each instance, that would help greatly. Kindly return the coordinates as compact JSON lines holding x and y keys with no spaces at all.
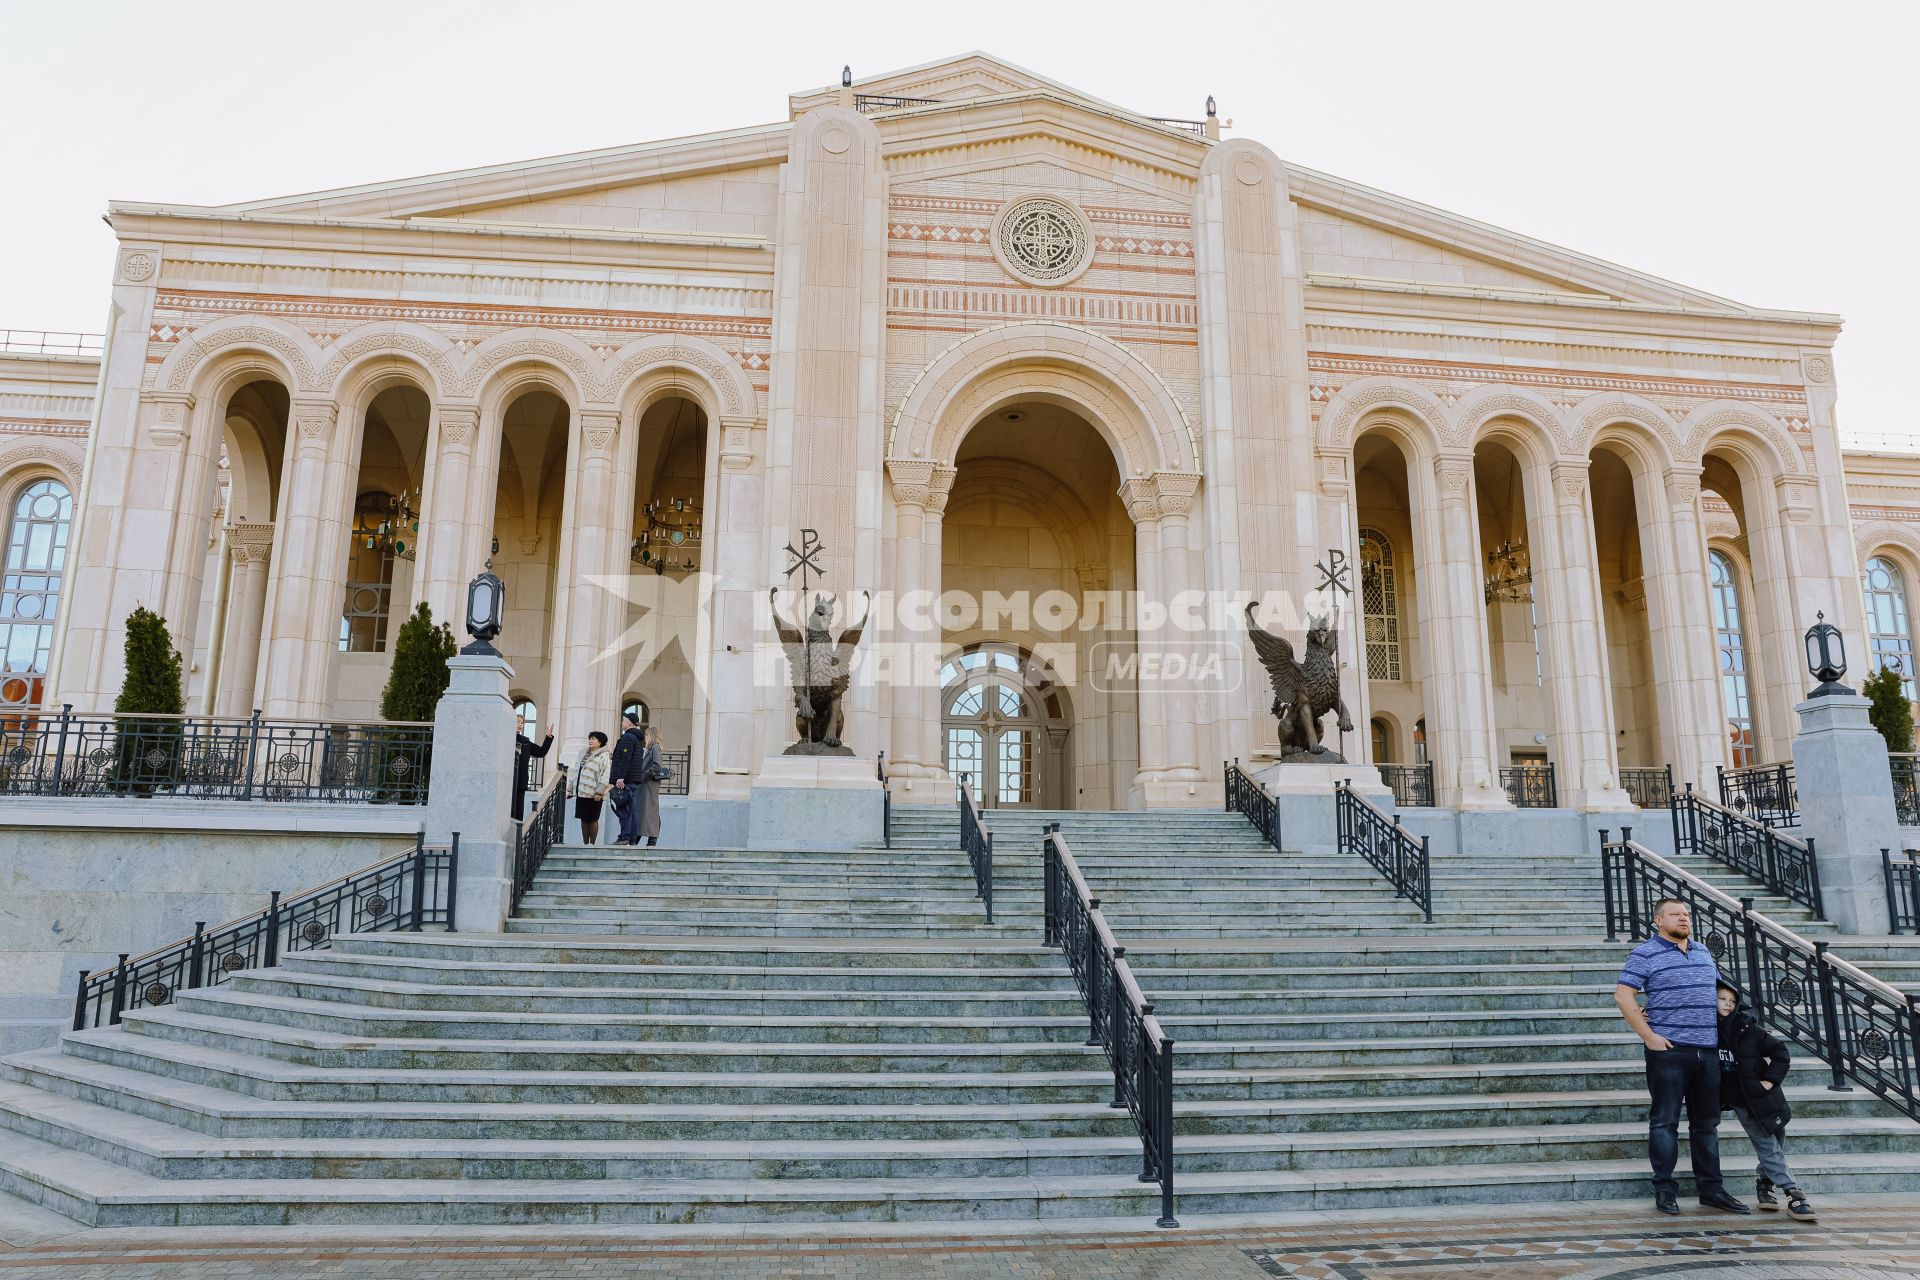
{"x":472,"y":775}
{"x":1304,"y":792}
{"x":1846,"y":807}
{"x":814,"y":802}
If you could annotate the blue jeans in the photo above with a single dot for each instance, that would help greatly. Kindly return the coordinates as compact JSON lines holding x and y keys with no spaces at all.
{"x":622,"y":799}
{"x":1684,"y":1073}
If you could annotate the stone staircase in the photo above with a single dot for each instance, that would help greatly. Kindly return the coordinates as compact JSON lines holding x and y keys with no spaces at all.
{"x":715,"y":1036}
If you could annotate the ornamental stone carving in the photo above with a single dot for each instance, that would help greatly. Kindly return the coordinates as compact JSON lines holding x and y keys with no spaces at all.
{"x":245,"y":335}
{"x":457,"y":424}
{"x":1043,"y":241}
{"x":1452,"y":474}
{"x":1175,"y":490}
{"x":1818,"y":370}
{"x":250,"y":543}
{"x":1142,"y":497}
{"x":599,"y":429}
{"x":137,"y":266}
{"x":433,"y":357}
{"x":736,"y":443}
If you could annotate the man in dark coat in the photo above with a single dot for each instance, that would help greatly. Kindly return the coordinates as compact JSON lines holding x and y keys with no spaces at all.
{"x":1753,"y":1066}
{"x":523,"y":751}
{"x":626,"y":774}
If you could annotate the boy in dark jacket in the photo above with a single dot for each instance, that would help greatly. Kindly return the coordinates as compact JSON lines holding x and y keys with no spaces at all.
{"x":1753,"y":1066}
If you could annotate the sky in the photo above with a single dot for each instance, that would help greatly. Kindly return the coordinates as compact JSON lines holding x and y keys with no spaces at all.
{"x":1764,"y":152}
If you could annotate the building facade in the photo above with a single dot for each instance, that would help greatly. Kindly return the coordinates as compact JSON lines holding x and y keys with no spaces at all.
{"x":1061,"y":384}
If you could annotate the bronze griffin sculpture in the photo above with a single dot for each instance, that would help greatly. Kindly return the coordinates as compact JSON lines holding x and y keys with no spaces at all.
{"x":822,"y":670}
{"x":1303,"y":692}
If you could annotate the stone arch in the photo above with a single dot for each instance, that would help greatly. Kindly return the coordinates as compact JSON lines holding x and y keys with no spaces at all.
{"x":26,"y":460}
{"x":1757,"y":436}
{"x":351,"y":362}
{"x":1899,"y":543}
{"x":1369,"y":396}
{"x":285,"y":348}
{"x":1484,"y":405}
{"x":680,"y":364}
{"x":1018,"y":482}
{"x":1610,"y":411}
{"x":1119,"y":395}
{"x":504,"y":359}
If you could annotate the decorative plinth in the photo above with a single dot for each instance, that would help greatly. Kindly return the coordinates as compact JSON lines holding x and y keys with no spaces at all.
{"x":1301,"y":778}
{"x":814,"y":802}
{"x":1846,"y":807}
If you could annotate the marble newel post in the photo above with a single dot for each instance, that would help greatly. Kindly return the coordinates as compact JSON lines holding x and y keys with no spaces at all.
{"x":1460,"y":707}
{"x":472,"y":741}
{"x":1846,"y":807}
{"x":1583,"y":722}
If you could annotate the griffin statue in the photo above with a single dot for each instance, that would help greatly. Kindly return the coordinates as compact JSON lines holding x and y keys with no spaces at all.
{"x":1303,"y":692}
{"x":822,"y":669}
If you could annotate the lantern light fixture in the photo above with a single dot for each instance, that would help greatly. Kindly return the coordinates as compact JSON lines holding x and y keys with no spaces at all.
{"x":486,"y":611}
{"x":1826,"y":657}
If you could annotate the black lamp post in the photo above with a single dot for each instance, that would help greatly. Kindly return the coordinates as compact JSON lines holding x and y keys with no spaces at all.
{"x":1826,"y":657}
{"x":486,"y":608}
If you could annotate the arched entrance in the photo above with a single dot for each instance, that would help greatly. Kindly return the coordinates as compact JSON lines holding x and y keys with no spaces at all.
{"x":1004,"y":727}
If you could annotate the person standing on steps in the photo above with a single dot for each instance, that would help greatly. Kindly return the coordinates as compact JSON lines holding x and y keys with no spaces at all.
{"x":590,"y":785}
{"x":653,"y":771}
{"x":1753,"y":1067}
{"x":523,"y":751}
{"x":1681,"y":1028}
{"x":624,"y":772}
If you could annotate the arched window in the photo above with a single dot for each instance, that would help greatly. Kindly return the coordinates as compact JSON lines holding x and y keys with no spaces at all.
{"x":1730,"y":640}
{"x":636,"y":708}
{"x":1382,"y":742}
{"x":1380,"y":605}
{"x":30,"y":590}
{"x":373,"y":543}
{"x":527,"y":707}
{"x":1889,"y":630}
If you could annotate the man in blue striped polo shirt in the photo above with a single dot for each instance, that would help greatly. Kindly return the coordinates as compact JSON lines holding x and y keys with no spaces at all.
{"x":1680,"y":1027}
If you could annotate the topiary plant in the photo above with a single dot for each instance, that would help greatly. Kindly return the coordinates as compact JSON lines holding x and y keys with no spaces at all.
{"x":147,"y":752}
{"x":1891,"y":713}
{"x":414,"y":686}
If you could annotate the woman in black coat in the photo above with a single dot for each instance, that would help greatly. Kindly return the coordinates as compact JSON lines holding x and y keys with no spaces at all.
{"x":1753,"y":1066}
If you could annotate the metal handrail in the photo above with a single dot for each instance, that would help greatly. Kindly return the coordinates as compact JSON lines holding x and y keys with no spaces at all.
{"x":888,"y":102}
{"x":1903,"y":890}
{"x":1531,"y":786}
{"x":1363,"y":827}
{"x":1648,"y":787}
{"x":1119,"y":1016}
{"x":1411,"y":784}
{"x":886,"y":801}
{"x":1245,"y":795}
{"x":51,"y":342}
{"x":1766,"y":793}
{"x":404,"y":893}
{"x":1866,"y":1030}
{"x":977,"y":842}
{"x":535,"y":836}
{"x":1787,"y":866}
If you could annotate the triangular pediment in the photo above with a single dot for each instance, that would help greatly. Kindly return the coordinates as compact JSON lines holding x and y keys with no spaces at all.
{"x":955,"y":79}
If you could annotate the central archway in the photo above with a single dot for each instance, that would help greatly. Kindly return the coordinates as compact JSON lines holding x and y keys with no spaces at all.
{"x":1006,"y":726}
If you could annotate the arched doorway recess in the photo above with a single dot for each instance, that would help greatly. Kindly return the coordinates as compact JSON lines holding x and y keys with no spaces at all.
{"x":1005,"y":727}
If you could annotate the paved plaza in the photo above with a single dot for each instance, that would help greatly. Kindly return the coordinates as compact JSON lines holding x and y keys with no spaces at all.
{"x":1858,"y":1238}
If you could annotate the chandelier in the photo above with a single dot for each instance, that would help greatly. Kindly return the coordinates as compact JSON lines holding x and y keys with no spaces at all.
{"x":670,"y":542}
{"x":389,"y":523}
{"x":1509,"y":576}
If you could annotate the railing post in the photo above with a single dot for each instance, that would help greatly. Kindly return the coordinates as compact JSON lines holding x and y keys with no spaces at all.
{"x":1630,"y":876}
{"x":196,"y":955}
{"x":272,"y":951}
{"x":1913,"y":899}
{"x":987,"y":843}
{"x":60,"y":751}
{"x":1813,"y":881}
{"x":80,"y":1002}
{"x":419,"y":881}
{"x":1426,"y":876}
{"x":1553,"y":787}
{"x":453,"y":877}
{"x":1830,"y":1014}
{"x":253,"y":747}
{"x":1164,"y":1146}
{"x":1399,"y":862}
{"x":1720,"y":775}
{"x":1094,"y":984}
{"x":1670,"y":790}
{"x":1606,"y":885}
{"x":1673,"y":808}
{"x":1226,"y":782}
{"x":119,"y":990}
{"x":1116,"y":1046}
{"x":1750,"y":936}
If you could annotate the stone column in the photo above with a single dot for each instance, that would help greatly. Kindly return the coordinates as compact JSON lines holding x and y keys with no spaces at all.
{"x":731,"y":557}
{"x":1142,"y":497}
{"x":251,"y":548}
{"x":184,"y":490}
{"x":590,"y":615}
{"x":455,"y":521}
{"x":1460,"y":733}
{"x":1180,"y":701}
{"x":1568,"y":589}
{"x":468,"y":793}
{"x":309,"y":581}
{"x":1846,"y":808}
{"x":1693,"y":713}
{"x":917,"y":770}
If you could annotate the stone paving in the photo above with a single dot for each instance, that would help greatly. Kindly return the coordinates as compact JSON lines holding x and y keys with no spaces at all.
{"x":1858,"y":1238}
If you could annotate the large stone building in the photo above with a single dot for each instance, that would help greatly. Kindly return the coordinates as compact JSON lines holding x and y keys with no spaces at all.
{"x":988,"y":337}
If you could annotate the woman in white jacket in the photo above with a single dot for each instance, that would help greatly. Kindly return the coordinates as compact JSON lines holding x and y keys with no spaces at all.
{"x":590,"y":784}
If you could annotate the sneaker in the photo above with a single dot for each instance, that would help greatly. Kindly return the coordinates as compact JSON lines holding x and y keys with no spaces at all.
{"x":1763,"y":1197}
{"x":1797,"y":1207}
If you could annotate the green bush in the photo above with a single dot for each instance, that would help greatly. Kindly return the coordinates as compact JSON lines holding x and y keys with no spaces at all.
{"x":1891,"y":713}
{"x":419,"y":677}
{"x":147,"y":753}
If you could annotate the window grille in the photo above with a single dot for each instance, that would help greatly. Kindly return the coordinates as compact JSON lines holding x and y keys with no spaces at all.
{"x":1380,"y":606}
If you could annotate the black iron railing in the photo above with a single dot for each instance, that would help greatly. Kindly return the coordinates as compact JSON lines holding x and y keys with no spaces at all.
{"x":1906,"y":788}
{"x":680,"y":764}
{"x":1785,"y":865}
{"x":1119,"y":1018}
{"x":1246,"y":796}
{"x":888,"y":102}
{"x":1867,"y":1032}
{"x":1361,"y":827}
{"x":977,"y":841}
{"x":1530,"y":786}
{"x":1648,"y":788}
{"x":1198,"y":127}
{"x":1766,"y":793}
{"x":75,"y":754}
{"x":1903,"y":889}
{"x":542,"y":829}
{"x":1411,"y":784}
{"x":410,"y":893}
{"x":886,"y":801}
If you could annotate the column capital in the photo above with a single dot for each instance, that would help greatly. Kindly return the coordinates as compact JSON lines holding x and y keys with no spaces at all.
{"x":165,"y":416}
{"x":1174,"y":491}
{"x":1453,"y":473}
{"x":1142,"y":496}
{"x":1569,"y":481}
{"x":458,"y":424}
{"x":922,"y":484}
{"x":1683,"y":485}
{"x":1332,"y":465}
{"x":1796,"y":495}
{"x":736,"y":441}
{"x":250,"y":543}
{"x":313,"y":420}
{"x":599,"y":429}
